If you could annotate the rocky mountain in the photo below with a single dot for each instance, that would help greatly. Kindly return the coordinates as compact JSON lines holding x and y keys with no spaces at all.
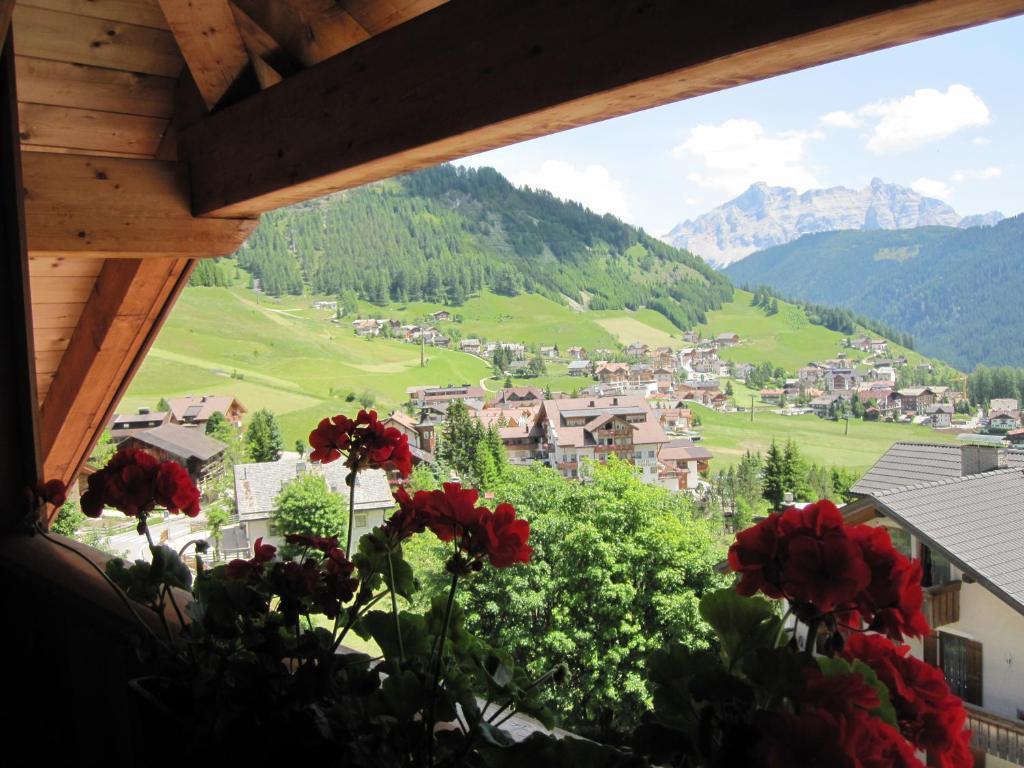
{"x":956,"y":290}
{"x":765,"y":216}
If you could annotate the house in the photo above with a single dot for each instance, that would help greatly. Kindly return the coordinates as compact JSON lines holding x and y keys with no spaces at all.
{"x":957,"y":509}
{"x":841,"y":379}
{"x":594,"y":428}
{"x":422,"y":396}
{"x":405,"y":424}
{"x":508,"y":397}
{"x":126,"y":425}
{"x":940,"y":415}
{"x":579,"y":367}
{"x":325,"y":305}
{"x":822,"y":405}
{"x":441,"y":315}
{"x":682,"y":464}
{"x":471,"y":346}
{"x":577,"y":353}
{"x":200,"y":454}
{"x":366,"y":327}
{"x":519,"y":431}
{"x":1016,"y":437}
{"x":638,"y":350}
{"x":197,"y":411}
{"x":1003,"y":421}
{"x":610,"y":373}
{"x":664,"y":378}
{"x":440,"y":340}
{"x":675,"y":419}
{"x":551,"y":351}
{"x":709,"y":364}
{"x":741,"y":370}
{"x":520,"y":368}
{"x":727,"y":339}
{"x":691,"y":337}
{"x":1005,"y":404}
{"x":642,"y":375}
{"x":916,"y":399}
{"x":885,"y":402}
{"x":258,"y":485}
{"x":773,"y":396}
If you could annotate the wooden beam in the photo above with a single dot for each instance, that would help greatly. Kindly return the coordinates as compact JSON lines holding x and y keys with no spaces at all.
{"x":116,"y":207}
{"x":145,"y":13}
{"x":474,"y":75}
{"x":89,"y":130}
{"x":121,"y":318}
{"x":6,"y":11}
{"x":376,"y":16}
{"x":310,"y":30}
{"x":263,"y":47}
{"x":208,"y":37}
{"x":20,"y":463}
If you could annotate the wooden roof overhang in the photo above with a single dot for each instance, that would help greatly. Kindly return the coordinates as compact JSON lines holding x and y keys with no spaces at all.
{"x":151,"y":133}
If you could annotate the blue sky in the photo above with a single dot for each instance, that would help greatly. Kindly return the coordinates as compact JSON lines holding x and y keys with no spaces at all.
{"x":944,"y":115}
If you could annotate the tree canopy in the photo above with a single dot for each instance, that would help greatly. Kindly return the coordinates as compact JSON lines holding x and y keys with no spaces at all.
{"x":306,"y":505}
{"x":263,"y":437}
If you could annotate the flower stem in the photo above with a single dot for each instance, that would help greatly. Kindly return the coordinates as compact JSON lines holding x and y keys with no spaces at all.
{"x":437,"y":669}
{"x":394,"y":612}
{"x":351,"y":511}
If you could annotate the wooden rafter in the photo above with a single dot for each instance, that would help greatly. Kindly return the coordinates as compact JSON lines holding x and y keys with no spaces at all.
{"x":101,"y":207}
{"x":208,"y":36}
{"x":6,"y":11}
{"x":473,"y":75}
{"x":124,"y":312}
{"x":310,"y":30}
{"x":265,"y":52}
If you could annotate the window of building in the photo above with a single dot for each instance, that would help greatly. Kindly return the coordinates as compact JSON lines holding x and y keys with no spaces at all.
{"x":359,"y":520}
{"x":960,"y":660}
{"x":900,"y":539}
{"x":937,"y":569}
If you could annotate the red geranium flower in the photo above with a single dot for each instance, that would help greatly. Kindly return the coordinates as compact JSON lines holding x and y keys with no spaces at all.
{"x":452,"y":511}
{"x":931,"y":717}
{"x":411,"y":517}
{"x":322,"y":543}
{"x":827,"y":571}
{"x":135,"y":483}
{"x":175,"y":491}
{"x":507,"y":537}
{"x":365,"y":441}
{"x":52,"y":492}
{"x":241,"y":569}
{"x":330,"y":438}
{"x":755,"y":557}
{"x":891,"y":603}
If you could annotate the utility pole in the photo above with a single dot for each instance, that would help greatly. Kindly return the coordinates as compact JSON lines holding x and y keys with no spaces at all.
{"x":847,"y":432}
{"x":751,"y":409}
{"x":423,"y":349}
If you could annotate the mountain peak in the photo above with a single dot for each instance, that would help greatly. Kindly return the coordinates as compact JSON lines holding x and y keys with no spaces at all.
{"x":764,"y":216}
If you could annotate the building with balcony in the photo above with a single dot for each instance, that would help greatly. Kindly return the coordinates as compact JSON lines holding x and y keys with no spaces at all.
{"x":959,"y":509}
{"x":575,"y":429}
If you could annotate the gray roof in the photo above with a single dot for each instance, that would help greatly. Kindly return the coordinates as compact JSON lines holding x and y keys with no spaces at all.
{"x":183,"y":442}
{"x":976,"y":521}
{"x":911,"y":464}
{"x":257,"y":485}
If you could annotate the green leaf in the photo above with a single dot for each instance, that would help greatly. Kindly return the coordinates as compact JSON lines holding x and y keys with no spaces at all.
{"x":380,"y":625}
{"x":669,"y":673}
{"x":743,"y":624}
{"x":405,"y":581}
{"x":404,"y":694}
{"x":168,"y":568}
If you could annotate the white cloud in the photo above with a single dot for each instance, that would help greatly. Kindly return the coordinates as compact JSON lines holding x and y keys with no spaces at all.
{"x":932,"y":188}
{"x":925,"y":115}
{"x":738,"y":153}
{"x":841,"y":119}
{"x":977,"y":174}
{"x":593,"y":186}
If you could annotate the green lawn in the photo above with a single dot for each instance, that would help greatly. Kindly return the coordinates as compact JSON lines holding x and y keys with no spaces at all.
{"x":729,"y":435}
{"x":296,"y":363}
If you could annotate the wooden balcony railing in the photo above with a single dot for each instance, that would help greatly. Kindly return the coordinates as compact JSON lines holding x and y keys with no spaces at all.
{"x":996,"y":735}
{"x":942,"y":604}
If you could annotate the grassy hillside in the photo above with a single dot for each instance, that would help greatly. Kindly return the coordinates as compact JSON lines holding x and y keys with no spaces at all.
{"x":729,"y":435}
{"x":289,"y":358}
{"x":956,"y":290}
{"x":787,"y":338}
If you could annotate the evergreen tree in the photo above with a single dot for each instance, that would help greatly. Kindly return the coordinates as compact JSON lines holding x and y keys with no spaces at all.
{"x":163,"y":406}
{"x":774,"y":485}
{"x":263,"y":437}
{"x":456,"y":441}
{"x":218,"y":428}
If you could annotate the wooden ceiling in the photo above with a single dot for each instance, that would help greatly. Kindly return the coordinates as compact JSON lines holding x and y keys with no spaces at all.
{"x":103,"y":87}
{"x":154,"y":132}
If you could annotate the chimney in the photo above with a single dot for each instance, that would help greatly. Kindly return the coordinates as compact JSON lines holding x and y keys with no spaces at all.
{"x":591,"y":404}
{"x":143,"y":411}
{"x":975,"y":459}
{"x":615,"y":401}
{"x":787,"y":499}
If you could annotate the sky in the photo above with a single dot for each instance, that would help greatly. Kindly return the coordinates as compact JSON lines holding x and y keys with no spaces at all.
{"x":944,"y":116}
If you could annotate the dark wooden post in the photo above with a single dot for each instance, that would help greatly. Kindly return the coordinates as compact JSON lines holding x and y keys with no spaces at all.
{"x":19,"y":446}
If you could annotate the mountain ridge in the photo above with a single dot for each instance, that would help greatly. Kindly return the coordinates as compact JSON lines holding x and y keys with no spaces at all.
{"x":764,"y":216}
{"x":956,"y":290}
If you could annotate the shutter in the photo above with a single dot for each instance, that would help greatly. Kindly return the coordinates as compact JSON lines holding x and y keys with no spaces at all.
{"x":973,"y":693}
{"x":931,"y":649}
